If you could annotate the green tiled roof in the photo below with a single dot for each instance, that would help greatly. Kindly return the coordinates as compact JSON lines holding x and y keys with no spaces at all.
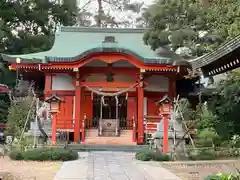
{"x":73,"y":43}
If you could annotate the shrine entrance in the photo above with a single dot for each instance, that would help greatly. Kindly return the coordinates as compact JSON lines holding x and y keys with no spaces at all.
{"x":109,"y":108}
{"x":109,"y":113}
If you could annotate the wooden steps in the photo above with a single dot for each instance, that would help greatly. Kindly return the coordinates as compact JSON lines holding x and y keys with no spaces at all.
{"x":125,"y":138}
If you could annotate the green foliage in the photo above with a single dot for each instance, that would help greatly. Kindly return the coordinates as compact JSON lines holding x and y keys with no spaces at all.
{"x":235,"y":141}
{"x":44,"y":154}
{"x":206,"y":118}
{"x":225,"y":17}
{"x":147,"y":155}
{"x":207,"y":138}
{"x":144,"y":155}
{"x":38,"y":19}
{"x":226,"y":106}
{"x":16,"y":155}
{"x":4,"y":105}
{"x":28,"y":26}
{"x":202,"y":154}
{"x":17,"y":117}
{"x":175,"y":24}
{"x":212,"y":177}
{"x":224,"y":176}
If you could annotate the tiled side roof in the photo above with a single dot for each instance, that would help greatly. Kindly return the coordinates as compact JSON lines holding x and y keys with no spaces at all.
{"x":223,"y":50}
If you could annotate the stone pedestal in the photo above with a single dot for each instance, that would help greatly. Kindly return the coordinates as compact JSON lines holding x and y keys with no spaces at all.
{"x":109,"y":127}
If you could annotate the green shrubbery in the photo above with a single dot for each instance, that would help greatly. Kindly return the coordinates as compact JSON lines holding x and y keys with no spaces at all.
{"x":224,"y":176}
{"x":44,"y":154}
{"x":147,"y":155}
{"x":203,"y":154}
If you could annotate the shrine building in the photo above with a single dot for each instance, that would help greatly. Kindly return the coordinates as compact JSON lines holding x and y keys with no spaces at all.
{"x":109,"y":82}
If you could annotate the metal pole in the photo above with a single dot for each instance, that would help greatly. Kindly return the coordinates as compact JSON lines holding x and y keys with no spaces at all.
{"x":174,"y":121}
{"x":16,"y":76}
{"x":101,"y":102}
{"x":116,"y":98}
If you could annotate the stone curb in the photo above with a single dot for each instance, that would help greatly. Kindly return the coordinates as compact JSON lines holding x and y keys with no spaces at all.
{"x":199,"y":162}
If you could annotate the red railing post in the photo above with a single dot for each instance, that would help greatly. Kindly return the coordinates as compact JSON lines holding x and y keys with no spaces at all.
{"x":83,"y":127}
{"x":134,"y":128}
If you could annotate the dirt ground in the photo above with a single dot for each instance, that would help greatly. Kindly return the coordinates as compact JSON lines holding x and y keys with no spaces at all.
{"x":200,"y":169}
{"x":23,"y":170}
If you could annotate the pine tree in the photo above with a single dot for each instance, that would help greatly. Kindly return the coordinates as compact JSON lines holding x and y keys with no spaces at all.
{"x":194,"y":26}
{"x":28,"y":26}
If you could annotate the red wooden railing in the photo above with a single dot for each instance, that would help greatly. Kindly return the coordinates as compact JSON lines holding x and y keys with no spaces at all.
{"x":151,"y":123}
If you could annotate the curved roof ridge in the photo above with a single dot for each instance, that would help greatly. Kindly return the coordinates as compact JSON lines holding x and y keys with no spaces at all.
{"x":98,"y":49}
{"x":98,"y":29}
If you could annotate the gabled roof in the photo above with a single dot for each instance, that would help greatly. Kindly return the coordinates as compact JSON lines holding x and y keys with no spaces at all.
{"x":73,"y":43}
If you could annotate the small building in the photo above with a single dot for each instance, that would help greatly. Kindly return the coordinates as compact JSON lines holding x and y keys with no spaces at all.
{"x":109,"y":80}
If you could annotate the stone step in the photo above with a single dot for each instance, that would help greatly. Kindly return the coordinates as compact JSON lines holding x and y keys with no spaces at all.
{"x":107,"y":147}
{"x":109,"y":140}
{"x":124,"y":138}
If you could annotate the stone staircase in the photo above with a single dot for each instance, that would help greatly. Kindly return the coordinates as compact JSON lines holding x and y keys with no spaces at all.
{"x":125,"y":138}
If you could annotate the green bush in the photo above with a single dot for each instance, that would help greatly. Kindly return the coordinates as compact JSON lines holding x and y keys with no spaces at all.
{"x":160,"y":157}
{"x":202,"y":155}
{"x":16,"y":155}
{"x":147,"y":155}
{"x":44,"y":154}
{"x":223,"y":176}
{"x":213,"y":177}
{"x":144,"y":155}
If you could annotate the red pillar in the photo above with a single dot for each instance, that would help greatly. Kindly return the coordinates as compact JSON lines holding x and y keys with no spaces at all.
{"x":77,"y":113}
{"x":165,"y":133}
{"x":140,"y":124}
{"x":54,"y":128}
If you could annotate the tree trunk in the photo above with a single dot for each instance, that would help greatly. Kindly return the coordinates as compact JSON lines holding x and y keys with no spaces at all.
{"x":44,"y":134}
{"x":100,"y":13}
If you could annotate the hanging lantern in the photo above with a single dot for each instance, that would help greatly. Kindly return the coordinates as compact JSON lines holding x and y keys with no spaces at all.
{"x":18,"y":60}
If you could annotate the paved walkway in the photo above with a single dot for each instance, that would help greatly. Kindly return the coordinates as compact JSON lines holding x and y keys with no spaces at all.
{"x":112,"y":166}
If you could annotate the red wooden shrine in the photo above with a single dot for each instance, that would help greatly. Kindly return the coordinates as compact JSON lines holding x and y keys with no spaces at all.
{"x":88,"y":79}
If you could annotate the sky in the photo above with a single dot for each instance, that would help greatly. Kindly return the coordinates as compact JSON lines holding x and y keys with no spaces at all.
{"x":93,"y":7}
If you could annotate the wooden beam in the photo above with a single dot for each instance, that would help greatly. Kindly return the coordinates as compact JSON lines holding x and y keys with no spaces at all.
{"x":104,"y":70}
{"x":109,"y":84}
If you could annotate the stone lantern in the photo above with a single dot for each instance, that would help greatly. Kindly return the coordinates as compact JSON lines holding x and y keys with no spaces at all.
{"x":165,"y":111}
{"x":54,"y":102}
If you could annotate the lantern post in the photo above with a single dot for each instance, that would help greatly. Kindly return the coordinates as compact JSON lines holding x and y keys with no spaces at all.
{"x":54,"y":102}
{"x":165,"y":111}
{"x":18,"y":61}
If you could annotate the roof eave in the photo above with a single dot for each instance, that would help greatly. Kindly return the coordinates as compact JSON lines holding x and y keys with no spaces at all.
{"x":56,"y":59}
{"x":12,"y":59}
{"x":221,"y":51}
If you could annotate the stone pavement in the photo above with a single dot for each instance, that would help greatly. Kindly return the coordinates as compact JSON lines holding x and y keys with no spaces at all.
{"x":112,"y":166}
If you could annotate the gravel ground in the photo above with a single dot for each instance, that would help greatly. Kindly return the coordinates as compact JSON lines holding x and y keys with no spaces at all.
{"x":198,"y":170}
{"x":28,"y":170}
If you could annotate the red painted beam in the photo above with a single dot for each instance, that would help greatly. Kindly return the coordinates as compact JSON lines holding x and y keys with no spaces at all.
{"x":104,"y":70}
{"x":109,"y":84}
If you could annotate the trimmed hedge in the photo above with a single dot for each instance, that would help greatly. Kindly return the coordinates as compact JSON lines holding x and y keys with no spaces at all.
{"x":44,"y":154}
{"x":148,"y":155}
